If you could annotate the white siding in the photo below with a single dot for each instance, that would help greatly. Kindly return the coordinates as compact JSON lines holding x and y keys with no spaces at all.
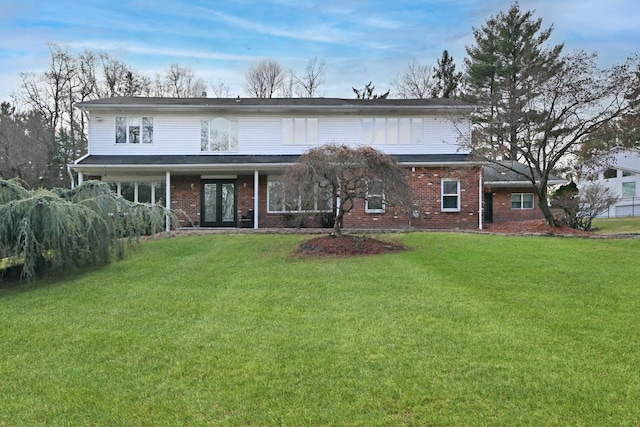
{"x":622,"y":161}
{"x":340,"y":130}
{"x":180,"y":134}
{"x":259,"y":135}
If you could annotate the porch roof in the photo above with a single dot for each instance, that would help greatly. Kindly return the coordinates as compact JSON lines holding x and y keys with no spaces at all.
{"x":512,"y":174}
{"x":231,"y":162}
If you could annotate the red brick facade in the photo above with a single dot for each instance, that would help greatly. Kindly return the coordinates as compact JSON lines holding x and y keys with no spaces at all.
{"x":424,"y":181}
{"x":502,"y":211}
{"x":185,"y":199}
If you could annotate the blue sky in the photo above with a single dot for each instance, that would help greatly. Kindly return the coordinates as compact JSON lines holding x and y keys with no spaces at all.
{"x":359,"y":40}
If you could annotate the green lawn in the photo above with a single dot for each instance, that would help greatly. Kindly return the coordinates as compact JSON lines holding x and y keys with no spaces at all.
{"x":463,"y":330}
{"x":616,"y":225}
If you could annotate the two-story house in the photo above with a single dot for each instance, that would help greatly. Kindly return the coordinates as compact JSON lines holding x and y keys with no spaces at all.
{"x":621,"y":175}
{"x":217,"y":161}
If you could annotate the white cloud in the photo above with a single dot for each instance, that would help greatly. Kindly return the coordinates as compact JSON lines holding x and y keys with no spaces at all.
{"x":319,"y":32}
{"x":145,"y":49}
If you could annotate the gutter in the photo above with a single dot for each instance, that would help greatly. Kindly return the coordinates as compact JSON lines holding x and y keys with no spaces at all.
{"x":520,"y":183}
{"x":239,"y":108}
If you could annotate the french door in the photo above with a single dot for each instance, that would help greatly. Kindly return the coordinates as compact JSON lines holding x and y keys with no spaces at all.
{"x":218,"y":203}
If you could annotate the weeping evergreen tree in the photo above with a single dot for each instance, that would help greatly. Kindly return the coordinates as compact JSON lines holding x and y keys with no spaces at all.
{"x":56,"y":230}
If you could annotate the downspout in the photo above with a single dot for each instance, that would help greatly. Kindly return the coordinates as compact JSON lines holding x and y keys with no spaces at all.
{"x":73,"y":182}
{"x":480,"y":197}
{"x":255,"y":199}
{"x":168,"y":200}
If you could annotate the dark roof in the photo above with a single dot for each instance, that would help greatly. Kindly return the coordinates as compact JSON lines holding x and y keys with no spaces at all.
{"x":279,"y":105}
{"x":262,"y":102}
{"x":510,"y":172}
{"x":230,"y":160}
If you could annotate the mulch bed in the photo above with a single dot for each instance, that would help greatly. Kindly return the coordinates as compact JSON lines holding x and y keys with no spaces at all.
{"x":349,"y":245}
{"x":534,"y":227}
{"x":346,"y":245}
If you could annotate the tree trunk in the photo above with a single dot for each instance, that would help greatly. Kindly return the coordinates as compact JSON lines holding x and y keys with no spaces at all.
{"x":546,"y":209}
{"x":337,"y":226}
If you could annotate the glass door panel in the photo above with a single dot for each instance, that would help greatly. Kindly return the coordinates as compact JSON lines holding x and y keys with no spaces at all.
{"x":228,"y":202}
{"x":218,"y":201}
{"x":210,"y":205}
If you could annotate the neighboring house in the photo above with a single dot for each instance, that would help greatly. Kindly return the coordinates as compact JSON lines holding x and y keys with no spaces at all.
{"x":622,"y":176}
{"x":217,"y":162}
{"x":508,"y":194}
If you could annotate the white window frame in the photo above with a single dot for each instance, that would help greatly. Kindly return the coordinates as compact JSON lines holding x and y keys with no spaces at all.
{"x":631,"y":184}
{"x":521,"y":197}
{"x":157,"y":197}
{"x":392,"y":130}
{"x":232,"y":135}
{"x":145,"y":131}
{"x":275,"y":181}
{"x":380,"y":195}
{"x":449,"y":194}
{"x":300,"y":131}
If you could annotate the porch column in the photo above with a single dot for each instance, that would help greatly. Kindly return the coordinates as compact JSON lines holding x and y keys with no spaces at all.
{"x":480,"y":197}
{"x":255,"y":199}
{"x":167,"y":197}
{"x":80,"y":178}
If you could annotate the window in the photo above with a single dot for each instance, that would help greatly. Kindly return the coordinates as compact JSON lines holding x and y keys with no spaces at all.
{"x":322,"y":199}
{"x":628,"y":189}
{"x":627,"y":173}
{"x":140,"y":192}
{"x":219,"y":135}
{"x":610,"y":173}
{"x":450,"y":195}
{"x":300,"y":131}
{"x":275,"y":196}
{"x":522,"y":201}
{"x":375,"y":198}
{"x":403,"y":130}
{"x":133,"y":130}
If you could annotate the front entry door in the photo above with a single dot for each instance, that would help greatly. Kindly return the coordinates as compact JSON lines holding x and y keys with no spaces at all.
{"x":218,"y":203}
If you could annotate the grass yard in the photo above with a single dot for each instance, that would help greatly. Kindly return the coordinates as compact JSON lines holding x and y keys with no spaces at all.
{"x":616,"y":225}
{"x":463,"y":330}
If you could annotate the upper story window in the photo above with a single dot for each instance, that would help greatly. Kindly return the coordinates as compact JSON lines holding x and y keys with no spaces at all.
{"x":134,"y":130}
{"x":300,"y":131}
{"x":610,"y":173}
{"x":629,"y":189}
{"x":393,"y":130}
{"x":450,"y":195}
{"x":219,"y":135}
{"x":522,"y":201}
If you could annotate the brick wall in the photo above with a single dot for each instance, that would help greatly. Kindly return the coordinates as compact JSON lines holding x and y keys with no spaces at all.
{"x":185,"y":199}
{"x":424,"y":182}
{"x":502,"y":211}
{"x":425,"y":185}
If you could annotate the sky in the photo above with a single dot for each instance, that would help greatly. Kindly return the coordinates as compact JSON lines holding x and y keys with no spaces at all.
{"x":358,"y":40}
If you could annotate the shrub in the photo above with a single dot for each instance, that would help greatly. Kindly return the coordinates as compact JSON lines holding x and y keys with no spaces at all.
{"x":55,"y":230}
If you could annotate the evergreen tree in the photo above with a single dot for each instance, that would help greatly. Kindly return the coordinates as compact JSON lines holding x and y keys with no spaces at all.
{"x":504,"y":68}
{"x":447,"y":80}
{"x":367,"y":92}
{"x":55,"y":230}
